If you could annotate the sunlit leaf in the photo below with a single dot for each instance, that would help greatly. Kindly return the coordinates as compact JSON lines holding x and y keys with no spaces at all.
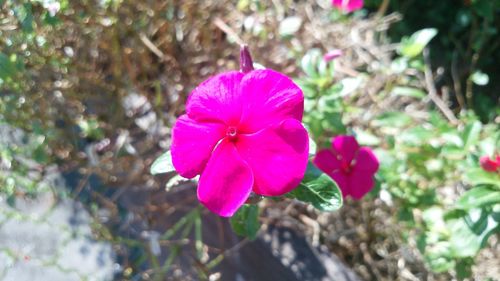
{"x":177,"y":180}
{"x":312,"y":147}
{"x":478,"y":197}
{"x":471,"y":134}
{"x":350,"y":85}
{"x":408,"y":92}
{"x":318,"y":189}
{"x":394,"y":119}
{"x":162,"y":164}
{"x":366,"y":138}
{"x":469,"y":234}
{"x":290,"y":26}
{"x":414,"y":45}
{"x":310,"y":61}
{"x":479,"y":176}
{"x":480,"y":78}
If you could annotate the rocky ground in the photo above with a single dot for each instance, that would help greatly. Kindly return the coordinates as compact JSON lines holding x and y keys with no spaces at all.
{"x":48,"y":236}
{"x":50,"y":239}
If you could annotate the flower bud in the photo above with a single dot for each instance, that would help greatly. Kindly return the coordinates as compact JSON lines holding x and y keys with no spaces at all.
{"x":246,"y":63}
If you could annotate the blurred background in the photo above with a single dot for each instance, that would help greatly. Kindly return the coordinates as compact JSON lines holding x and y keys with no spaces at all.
{"x":90,"y":89}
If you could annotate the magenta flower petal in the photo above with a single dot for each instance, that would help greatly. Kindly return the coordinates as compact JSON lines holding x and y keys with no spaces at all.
{"x":269,"y":97}
{"x":366,"y":161}
{"x":489,"y":164}
{"x":351,"y":166}
{"x":360,"y":183}
{"x":226,"y":182}
{"x":253,"y":121}
{"x":217,"y":99}
{"x":278,"y":157}
{"x":346,"y":147}
{"x":192,"y":144}
{"x":327,"y":161}
{"x":348,"y":5}
{"x":342,"y":181}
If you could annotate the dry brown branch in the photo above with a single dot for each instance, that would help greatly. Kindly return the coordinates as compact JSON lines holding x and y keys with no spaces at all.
{"x":151,"y":46}
{"x":228,"y":30}
{"x":433,"y":93}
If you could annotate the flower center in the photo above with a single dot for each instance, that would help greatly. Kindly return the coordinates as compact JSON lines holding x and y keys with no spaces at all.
{"x":232,"y":133}
{"x":346,"y":167}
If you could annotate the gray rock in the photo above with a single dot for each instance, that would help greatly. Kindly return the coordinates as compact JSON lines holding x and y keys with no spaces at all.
{"x":55,"y":246}
{"x":46,"y":238}
{"x":31,"y":238}
{"x":88,"y":258}
{"x":6,"y":262}
{"x":36,"y":271}
{"x":35,"y":207}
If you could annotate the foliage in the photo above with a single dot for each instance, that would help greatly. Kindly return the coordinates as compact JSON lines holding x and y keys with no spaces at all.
{"x":21,"y":158}
{"x":423,"y":160}
{"x":246,"y":221}
{"x":162,"y":164}
{"x":319,"y":190}
{"x":466,"y":45}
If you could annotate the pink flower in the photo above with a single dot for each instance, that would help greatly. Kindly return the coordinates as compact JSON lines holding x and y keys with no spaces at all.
{"x":490,"y":165}
{"x":242,"y":132}
{"x":348,"y":5}
{"x":350,"y":165}
{"x":333,"y":54}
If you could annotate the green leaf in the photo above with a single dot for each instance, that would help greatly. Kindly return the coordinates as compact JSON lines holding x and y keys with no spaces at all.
{"x":25,"y":16}
{"x":350,"y":85}
{"x":471,"y":134}
{"x":392,"y":119}
{"x":478,"y":197}
{"x":470,"y":233}
{"x":310,"y":61}
{"x":415,"y":44}
{"x":366,"y":138}
{"x":177,"y":180}
{"x":290,"y":26}
{"x":485,"y":8}
{"x":7,"y":67}
{"x":416,"y":136}
{"x":246,"y":221}
{"x":480,"y":78}
{"x":464,"y":268}
{"x":479,"y":176}
{"x":318,"y":189}
{"x":90,"y":128}
{"x":408,"y":92}
{"x":438,"y":257}
{"x":399,"y":65}
{"x":162,"y":164}
{"x":312,"y":147}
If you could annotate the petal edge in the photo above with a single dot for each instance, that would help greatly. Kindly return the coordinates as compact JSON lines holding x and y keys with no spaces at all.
{"x":278,"y":157}
{"x":226,"y":182}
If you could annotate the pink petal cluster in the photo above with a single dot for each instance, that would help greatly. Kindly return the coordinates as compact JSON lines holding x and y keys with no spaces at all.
{"x":242,"y":133}
{"x":348,"y":5}
{"x":333,"y":54}
{"x":350,"y":165}
{"x":490,"y":165}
